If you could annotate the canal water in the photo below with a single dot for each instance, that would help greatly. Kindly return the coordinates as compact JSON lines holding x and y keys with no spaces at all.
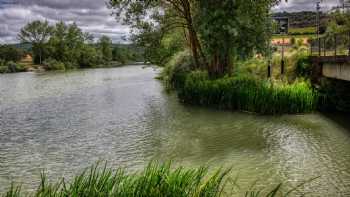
{"x":63,"y":122}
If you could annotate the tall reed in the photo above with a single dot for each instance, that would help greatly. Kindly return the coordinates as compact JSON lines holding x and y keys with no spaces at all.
{"x":156,"y":180}
{"x":249,"y":94}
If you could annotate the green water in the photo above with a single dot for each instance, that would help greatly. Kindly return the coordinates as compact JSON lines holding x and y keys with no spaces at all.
{"x":64,"y":122}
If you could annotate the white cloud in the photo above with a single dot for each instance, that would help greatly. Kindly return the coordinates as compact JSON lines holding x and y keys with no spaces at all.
{"x":90,"y":15}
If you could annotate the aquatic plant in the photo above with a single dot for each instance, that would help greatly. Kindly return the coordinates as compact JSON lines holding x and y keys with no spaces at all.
{"x":156,"y":180}
{"x":249,"y":94}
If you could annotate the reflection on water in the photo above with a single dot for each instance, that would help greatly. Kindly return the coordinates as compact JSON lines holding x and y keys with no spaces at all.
{"x":64,"y":122}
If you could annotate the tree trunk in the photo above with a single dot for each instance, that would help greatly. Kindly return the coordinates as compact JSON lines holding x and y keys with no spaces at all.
{"x":194,"y":47}
{"x":40,"y":55}
{"x":220,"y":64}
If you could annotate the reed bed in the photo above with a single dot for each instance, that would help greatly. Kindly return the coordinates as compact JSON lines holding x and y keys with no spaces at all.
{"x":249,"y":94}
{"x":156,"y":180}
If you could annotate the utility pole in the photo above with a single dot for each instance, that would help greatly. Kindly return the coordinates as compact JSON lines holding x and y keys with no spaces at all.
{"x":318,"y":8}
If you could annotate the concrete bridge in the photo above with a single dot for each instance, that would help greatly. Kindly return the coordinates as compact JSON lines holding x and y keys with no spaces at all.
{"x":330,"y":57}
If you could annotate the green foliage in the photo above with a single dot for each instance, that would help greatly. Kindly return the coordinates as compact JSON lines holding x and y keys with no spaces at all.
{"x":304,"y":67}
{"x":65,"y":46}
{"x":11,"y":53}
{"x":213,"y":30}
{"x":90,"y":57}
{"x":121,"y":54}
{"x":154,"y":181}
{"x":70,"y":45}
{"x":249,"y":94}
{"x":302,"y":30}
{"x":52,"y":64}
{"x":174,"y":73}
{"x":339,"y":23}
{"x":236,"y":28}
{"x":11,"y":67}
{"x":251,"y":67}
{"x":105,"y":45}
{"x":37,"y":33}
{"x":160,"y":52}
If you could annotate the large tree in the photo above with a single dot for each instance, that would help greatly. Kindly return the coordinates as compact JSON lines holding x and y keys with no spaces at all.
{"x":232,"y":29}
{"x":152,"y":19}
{"x":37,"y":33}
{"x":215,"y":30}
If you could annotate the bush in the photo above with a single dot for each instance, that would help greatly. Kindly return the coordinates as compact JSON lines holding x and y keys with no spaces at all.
{"x":11,"y":53}
{"x":90,"y":57}
{"x":15,"y":67}
{"x":176,"y":69}
{"x":3,"y":69}
{"x":248,"y":94}
{"x":11,"y":67}
{"x":251,"y":67}
{"x":52,"y":64}
{"x":303,"y":67}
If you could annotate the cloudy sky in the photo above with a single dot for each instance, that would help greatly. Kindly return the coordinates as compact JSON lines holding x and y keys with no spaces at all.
{"x":91,"y":15}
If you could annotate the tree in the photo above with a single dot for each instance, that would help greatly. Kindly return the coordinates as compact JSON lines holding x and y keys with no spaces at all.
{"x":153,"y":19}
{"x":11,"y":53}
{"x":213,"y":30}
{"x":37,"y":33}
{"x":105,"y":45}
{"x":232,"y":29}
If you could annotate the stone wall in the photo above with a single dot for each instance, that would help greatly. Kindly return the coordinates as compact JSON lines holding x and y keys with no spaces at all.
{"x":336,"y":71}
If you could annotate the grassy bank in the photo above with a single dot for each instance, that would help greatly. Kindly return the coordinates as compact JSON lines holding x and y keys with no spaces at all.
{"x":247,"y":88}
{"x":156,"y":180}
{"x":248,"y":94}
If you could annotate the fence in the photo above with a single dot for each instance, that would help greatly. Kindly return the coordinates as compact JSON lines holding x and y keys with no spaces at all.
{"x":331,"y":45}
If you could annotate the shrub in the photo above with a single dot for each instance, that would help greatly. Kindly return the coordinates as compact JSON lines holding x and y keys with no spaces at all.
{"x":90,"y":57}
{"x":11,"y":53}
{"x":303,"y":67}
{"x":249,"y":94}
{"x":3,"y":69}
{"x":52,"y":64}
{"x":251,"y":67}
{"x":14,"y":67}
{"x":176,"y":69}
{"x":11,"y":67}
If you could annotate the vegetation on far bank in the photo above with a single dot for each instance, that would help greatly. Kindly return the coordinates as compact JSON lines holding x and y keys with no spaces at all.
{"x":61,"y":47}
{"x":156,"y":180}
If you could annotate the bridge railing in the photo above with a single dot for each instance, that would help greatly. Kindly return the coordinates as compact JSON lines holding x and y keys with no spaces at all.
{"x":331,"y":45}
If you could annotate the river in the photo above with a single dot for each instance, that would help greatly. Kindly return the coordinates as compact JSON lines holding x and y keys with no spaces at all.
{"x":63,"y":122}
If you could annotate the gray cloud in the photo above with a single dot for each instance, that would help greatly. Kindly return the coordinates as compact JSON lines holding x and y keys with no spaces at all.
{"x":305,"y":5}
{"x":90,"y":15}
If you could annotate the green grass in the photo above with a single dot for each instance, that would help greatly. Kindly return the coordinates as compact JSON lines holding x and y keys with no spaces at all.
{"x":156,"y":180}
{"x":249,"y":94}
{"x":302,"y":30}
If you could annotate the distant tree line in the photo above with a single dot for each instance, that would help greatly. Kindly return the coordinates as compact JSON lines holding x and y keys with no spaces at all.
{"x":66,"y":46}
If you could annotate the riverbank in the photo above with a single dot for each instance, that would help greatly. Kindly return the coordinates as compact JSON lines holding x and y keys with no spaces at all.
{"x":21,"y":67}
{"x":245,"y":89}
